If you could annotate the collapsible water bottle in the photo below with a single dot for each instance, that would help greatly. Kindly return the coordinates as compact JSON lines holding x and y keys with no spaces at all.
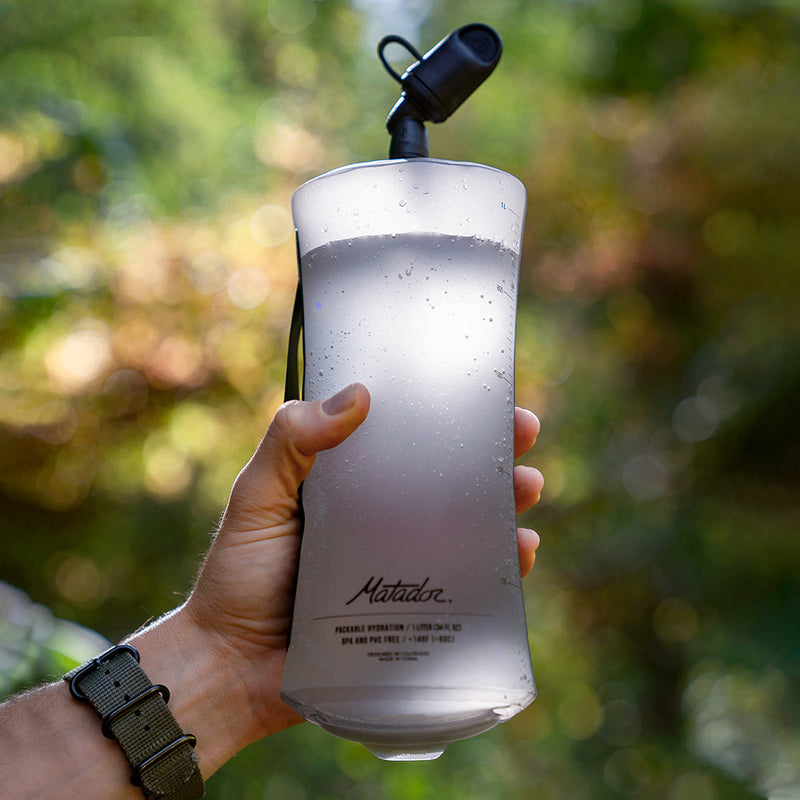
{"x":409,"y":628}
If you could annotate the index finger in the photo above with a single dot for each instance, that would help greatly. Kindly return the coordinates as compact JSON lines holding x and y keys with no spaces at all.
{"x":526,"y":429}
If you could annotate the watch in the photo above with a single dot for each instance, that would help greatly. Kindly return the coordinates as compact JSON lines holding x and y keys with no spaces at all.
{"x":134,"y":712}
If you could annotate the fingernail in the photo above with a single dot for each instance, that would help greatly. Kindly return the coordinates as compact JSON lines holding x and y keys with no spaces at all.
{"x":340,"y":402}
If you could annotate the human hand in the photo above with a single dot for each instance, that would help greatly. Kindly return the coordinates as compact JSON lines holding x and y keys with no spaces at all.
{"x":243,"y":596}
{"x":222,"y":652}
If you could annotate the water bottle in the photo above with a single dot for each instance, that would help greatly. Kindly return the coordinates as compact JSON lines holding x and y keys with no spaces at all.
{"x":409,"y":629}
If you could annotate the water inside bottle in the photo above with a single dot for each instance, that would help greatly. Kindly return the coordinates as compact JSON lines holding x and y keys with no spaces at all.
{"x":408,"y":629}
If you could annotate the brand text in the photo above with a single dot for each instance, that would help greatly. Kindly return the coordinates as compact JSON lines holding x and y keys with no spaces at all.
{"x":377,"y":590}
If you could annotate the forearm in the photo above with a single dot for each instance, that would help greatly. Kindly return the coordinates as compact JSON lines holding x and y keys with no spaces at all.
{"x":51,"y":745}
{"x":52,"y":748}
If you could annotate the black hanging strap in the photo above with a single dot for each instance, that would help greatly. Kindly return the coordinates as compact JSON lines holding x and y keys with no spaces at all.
{"x":291,"y":389}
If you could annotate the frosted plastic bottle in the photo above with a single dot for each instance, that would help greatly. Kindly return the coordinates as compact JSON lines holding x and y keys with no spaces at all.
{"x":409,"y":628}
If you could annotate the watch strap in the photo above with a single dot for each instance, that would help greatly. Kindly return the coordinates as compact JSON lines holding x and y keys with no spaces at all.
{"x":135,"y":713}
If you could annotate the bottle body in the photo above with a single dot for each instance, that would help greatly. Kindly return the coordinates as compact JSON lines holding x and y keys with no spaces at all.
{"x":409,"y":629}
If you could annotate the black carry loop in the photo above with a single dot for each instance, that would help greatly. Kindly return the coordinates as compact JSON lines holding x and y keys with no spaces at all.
{"x":291,"y":389}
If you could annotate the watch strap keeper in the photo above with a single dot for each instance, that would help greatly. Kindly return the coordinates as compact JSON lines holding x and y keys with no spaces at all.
{"x":134,"y":712}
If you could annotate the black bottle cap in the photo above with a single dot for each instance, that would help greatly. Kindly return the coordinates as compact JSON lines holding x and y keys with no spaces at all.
{"x":438,"y":83}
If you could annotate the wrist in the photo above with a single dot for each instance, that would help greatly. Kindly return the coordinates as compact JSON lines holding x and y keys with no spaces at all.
{"x":207,"y":695}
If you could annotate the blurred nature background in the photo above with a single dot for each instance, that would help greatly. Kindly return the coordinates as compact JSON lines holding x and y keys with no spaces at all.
{"x":148,"y":152}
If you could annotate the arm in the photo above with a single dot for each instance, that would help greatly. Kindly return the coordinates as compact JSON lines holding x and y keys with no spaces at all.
{"x":221,"y":653}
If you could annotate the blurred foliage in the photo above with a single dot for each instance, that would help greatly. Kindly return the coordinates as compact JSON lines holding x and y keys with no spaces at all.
{"x":148,"y":151}
{"x":33,"y":642}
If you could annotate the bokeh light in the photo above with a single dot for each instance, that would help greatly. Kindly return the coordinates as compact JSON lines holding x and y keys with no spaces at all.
{"x":79,"y":359}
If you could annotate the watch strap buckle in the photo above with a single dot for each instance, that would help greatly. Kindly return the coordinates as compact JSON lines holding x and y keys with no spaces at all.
{"x":77,"y":675}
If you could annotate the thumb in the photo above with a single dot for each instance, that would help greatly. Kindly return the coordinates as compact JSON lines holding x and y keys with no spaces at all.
{"x":265,"y":492}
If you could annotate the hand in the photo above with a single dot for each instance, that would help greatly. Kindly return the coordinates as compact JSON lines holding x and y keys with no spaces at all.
{"x":222,"y":652}
{"x":243,"y":596}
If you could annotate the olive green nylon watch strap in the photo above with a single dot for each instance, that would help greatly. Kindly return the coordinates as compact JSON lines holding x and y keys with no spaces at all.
{"x":135,"y":714}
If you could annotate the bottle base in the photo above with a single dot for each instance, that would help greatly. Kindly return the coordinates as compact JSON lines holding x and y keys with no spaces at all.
{"x":406,"y":723}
